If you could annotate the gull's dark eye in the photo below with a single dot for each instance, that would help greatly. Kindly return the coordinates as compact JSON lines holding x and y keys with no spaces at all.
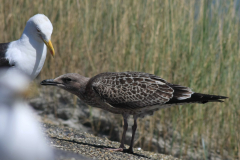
{"x":66,"y":80}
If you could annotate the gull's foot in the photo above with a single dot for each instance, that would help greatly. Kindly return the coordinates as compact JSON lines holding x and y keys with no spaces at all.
{"x":120,"y":150}
{"x":129,"y":150}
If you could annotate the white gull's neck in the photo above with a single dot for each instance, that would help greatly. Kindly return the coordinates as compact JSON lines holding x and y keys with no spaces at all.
{"x":28,"y":53}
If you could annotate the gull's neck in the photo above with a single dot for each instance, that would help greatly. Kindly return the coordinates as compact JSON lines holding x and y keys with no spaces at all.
{"x":28,"y":50}
{"x":80,"y":90}
{"x":30,"y":39}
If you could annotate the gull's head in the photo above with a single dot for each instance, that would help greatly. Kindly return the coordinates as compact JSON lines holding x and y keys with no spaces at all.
{"x":40,"y":28}
{"x":71,"y":82}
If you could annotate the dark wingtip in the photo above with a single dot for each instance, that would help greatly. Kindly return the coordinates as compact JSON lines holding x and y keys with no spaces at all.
{"x":214,"y":98}
{"x":223,"y":97}
{"x":48,"y":82}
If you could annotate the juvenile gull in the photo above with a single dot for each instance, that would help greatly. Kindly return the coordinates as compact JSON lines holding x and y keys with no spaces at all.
{"x":129,"y":93}
{"x":29,"y":52}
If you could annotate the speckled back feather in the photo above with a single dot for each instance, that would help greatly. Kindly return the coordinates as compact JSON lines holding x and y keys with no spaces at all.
{"x":134,"y":90}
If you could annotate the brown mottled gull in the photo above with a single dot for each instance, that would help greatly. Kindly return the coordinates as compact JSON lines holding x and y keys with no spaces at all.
{"x":129,"y":93}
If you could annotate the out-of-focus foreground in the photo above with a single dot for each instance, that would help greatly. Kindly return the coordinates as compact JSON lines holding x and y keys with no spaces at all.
{"x":192,"y":43}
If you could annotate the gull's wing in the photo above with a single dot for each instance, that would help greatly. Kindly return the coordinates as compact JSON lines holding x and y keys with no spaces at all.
{"x":134,"y":90}
{"x":3,"y":61}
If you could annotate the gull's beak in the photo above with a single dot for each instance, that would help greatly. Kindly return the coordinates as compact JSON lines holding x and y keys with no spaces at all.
{"x":49,"y":82}
{"x":49,"y":46}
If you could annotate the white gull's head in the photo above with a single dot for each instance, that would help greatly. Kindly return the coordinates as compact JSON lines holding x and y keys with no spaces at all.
{"x":40,"y":28}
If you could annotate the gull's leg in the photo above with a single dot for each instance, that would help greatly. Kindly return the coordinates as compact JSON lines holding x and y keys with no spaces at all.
{"x":134,"y":128}
{"x":125,"y":127}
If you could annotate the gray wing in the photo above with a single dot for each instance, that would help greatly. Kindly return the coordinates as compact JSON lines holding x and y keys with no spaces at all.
{"x":3,"y":61}
{"x":132,"y":89}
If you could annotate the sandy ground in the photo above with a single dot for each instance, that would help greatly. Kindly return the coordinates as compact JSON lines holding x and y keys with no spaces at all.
{"x":72,"y":144}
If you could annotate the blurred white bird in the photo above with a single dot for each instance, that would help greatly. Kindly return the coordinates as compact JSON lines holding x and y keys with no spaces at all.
{"x":21,"y":137}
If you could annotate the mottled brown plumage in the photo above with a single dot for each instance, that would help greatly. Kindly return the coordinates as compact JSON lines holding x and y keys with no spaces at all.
{"x":129,"y":93}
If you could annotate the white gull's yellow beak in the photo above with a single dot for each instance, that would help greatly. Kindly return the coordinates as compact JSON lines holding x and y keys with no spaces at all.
{"x":50,"y":47}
